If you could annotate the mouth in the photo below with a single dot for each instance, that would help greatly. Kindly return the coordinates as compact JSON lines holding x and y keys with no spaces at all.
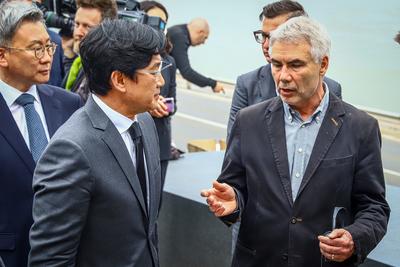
{"x":44,"y":72}
{"x":286,"y":91}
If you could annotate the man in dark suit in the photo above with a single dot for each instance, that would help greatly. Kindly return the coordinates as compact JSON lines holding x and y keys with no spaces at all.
{"x":30,"y":113}
{"x":293,"y":160}
{"x":97,"y":187}
{"x":258,"y":85}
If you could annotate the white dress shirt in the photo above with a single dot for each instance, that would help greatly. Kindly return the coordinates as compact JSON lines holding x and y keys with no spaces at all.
{"x":10,"y":94}
{"x":123,"y":123}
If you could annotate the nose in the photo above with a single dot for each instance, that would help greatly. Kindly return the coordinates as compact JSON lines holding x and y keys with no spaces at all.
{"x":265,"y":44}
{"x":47,"y":57}
{"x":285,"y":76}
{"x":160,"y":80}
{"x":79,"y":31}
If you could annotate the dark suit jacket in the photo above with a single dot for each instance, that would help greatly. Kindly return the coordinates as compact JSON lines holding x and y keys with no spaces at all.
{"x":180,"y":39}
{"x":88,"y":206}
{"x":163,"y":125}
{"x":344,"y":170}
{"x":57,"y":67}
{"x":17,"y":171}
{"x":257,"y":86}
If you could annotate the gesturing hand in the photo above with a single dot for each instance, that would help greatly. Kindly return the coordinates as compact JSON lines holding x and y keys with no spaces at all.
{"x":221,"y":199}
{"x":337,"y":246}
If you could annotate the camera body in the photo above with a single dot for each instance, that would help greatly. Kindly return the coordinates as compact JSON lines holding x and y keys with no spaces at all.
{"x":130,"y":10}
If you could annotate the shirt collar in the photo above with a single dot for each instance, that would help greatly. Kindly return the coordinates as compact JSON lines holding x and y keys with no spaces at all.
{"x":319,"y":112}
{"x":121,"y":122}
{"x":10,"y":94}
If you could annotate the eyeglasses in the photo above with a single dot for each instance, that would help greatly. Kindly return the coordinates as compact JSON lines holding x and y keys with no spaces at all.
{"x":260,"y":36}
{"x":39,"y":51}
{"x":158,"y":71}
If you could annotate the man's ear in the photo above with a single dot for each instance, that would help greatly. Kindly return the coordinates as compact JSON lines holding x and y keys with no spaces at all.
{"x":118,"y":81}
{"x":324,"y":65}
{"x":3,"y":58}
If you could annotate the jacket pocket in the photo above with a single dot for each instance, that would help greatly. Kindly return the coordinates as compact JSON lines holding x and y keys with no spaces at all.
{"x":336,"y":162}
{"x":7,"y":241}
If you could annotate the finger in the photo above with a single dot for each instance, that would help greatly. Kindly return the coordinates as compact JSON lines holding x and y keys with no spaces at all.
{"x":336,"y":233}
{"x":205,"y":193}
{"x":221,"y":187}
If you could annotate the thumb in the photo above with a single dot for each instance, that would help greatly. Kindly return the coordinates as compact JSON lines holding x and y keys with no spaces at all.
{"x":222,"y":187}
{"x":336,"y":233}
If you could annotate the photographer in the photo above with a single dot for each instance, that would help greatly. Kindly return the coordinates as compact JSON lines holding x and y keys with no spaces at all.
{"x":89,"y":14}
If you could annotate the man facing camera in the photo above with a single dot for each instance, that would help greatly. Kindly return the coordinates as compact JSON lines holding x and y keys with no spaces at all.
{"x":292,"y":161}
{"x":258,"y":85}
{"x":30,"y":113}
{"x":97,"y":187}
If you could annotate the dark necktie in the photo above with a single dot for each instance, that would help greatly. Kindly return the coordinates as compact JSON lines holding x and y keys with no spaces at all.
{"x":136,"y":134}
{"x":37,"y":135}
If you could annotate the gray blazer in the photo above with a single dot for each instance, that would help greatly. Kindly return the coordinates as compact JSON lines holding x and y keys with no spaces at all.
{"x":257,"y":86}
{"x":88,"y":207}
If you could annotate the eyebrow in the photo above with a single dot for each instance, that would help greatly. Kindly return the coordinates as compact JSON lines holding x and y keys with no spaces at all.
{"x":38,"y":42}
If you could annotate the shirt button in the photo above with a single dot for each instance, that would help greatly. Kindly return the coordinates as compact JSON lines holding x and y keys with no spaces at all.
{"x":300,"y":150}
{"x":290,"y":117}
{"x":297,"y":175}
{"x":302,"y":126}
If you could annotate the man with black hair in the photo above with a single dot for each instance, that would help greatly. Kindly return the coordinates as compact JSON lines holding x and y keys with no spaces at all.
{"x":258,"y":85}
{"x":97,"y":188}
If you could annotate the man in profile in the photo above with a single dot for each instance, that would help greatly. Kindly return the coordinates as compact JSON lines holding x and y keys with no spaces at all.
{"x":97,"y":188}
{"x":292,"y":160}
{"x":182,"y":37}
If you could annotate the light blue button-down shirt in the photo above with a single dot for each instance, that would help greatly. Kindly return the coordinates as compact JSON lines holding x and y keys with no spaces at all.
{"x":300,"y":139}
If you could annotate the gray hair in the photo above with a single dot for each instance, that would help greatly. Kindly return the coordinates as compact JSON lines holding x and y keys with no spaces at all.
{"x":304,"y":29}
{"x":12,"y":14}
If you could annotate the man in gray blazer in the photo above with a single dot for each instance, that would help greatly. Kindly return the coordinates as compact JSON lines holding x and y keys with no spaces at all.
{"x":97,"y":187}
{"x":258,"y":85}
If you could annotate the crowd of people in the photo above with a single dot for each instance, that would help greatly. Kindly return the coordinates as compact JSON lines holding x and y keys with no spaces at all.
{"x":85,"y":137}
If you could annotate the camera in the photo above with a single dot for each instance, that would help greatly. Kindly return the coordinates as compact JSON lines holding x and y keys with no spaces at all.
{"x":130,"y":10}
{"x":59,"y":14}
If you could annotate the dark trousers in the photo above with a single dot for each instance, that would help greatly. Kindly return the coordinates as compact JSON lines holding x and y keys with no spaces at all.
{"x":164,"y":166}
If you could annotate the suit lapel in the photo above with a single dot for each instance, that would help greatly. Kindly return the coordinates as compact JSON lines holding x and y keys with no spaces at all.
{"x":276,"y":132}
{"x":113,"y":140}
{"x":326,"y":135}
{"x":51,"y":108}
{"x":12,"y":134}
{"x":266,"y":84}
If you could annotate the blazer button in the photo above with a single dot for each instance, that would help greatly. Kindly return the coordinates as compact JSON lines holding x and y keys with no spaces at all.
{"x":293,"y":220}
{"x":285,"y":257}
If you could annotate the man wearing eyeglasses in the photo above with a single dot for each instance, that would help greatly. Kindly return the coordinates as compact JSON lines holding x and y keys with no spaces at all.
{"x":258,"y":85}
{"x":30,"y":113}
{"x":100,"y":176}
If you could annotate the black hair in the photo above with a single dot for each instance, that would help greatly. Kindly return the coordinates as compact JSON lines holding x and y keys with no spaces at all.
{"x":117,"y":45}
{"x":282,"y":7}
{"x":147,"y":5}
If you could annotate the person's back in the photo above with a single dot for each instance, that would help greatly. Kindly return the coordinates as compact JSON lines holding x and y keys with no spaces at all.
{"x":182,"y":37}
